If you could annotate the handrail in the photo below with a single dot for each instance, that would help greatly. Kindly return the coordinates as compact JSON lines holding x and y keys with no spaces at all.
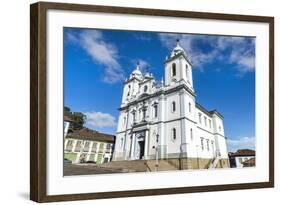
{"x":146,"y":164}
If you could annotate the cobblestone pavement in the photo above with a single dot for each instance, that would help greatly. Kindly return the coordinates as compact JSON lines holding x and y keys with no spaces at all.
{"x":88,"y":169}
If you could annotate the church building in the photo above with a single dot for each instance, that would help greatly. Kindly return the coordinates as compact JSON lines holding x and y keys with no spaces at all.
{"x":162,"y":120}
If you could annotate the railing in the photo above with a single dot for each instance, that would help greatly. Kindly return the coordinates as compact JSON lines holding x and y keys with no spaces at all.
{"x":214,"y":162}
{"x":147,"y":166}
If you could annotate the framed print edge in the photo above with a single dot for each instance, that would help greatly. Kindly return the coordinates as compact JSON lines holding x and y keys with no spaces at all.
{"x":37,"y":103}
{"x":38,"y":106}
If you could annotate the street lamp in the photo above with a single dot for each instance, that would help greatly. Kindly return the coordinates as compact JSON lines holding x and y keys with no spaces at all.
{"x":156,"y":153}
{"x":197,"y":156}
{"x":183,"y":150}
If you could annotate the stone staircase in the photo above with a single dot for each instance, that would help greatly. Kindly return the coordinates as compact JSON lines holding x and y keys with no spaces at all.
{"x":127,"y":165}
{"x":141,"y":165}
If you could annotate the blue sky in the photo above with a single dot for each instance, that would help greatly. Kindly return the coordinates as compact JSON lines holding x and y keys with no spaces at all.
{"x":96,"y":63}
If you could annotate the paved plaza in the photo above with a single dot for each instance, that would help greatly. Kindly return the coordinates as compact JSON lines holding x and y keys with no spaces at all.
{"x":88,"y":169}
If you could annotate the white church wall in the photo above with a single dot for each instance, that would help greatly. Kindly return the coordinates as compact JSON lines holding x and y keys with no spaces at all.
{"x":190,"y":109}
{"x":206,"y":121}
{"x":173,"y":148}
{"x":168,"y":71}
{"x":122,"y":121}
{"x":152,"y":144}
{"x":147,"y":83}
{"x":208,"y":138}
{"x":170,"y":99}
{"x":218,"y":125}
{"x":187,"y":73}
{"x":223,"y":147}
{"x":191,"y":139}
{"x":119,"y":143}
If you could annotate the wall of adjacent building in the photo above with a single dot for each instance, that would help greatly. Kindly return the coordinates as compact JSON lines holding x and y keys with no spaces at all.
{"x":97,"y":154}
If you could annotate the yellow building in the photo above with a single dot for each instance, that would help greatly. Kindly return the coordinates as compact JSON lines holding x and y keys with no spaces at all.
{"x":88,"y":145}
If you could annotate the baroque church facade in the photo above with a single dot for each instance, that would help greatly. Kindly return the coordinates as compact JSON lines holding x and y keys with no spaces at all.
{"x":163,"y":120}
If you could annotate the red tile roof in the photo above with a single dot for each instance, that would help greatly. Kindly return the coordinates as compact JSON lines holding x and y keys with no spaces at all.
{"x":92,"y":135}
{"x":243,"y":152}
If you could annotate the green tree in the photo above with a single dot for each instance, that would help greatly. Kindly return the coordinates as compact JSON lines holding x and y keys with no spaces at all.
{"x":78,"y":118}
{"x":67,"y":111}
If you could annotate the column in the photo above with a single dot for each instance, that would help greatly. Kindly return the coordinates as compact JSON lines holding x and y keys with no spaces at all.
{"x":126,"y":133}
{"x":133,"y":146}
{"x":146,"y":145}
{"x":127,"y":146}
{"x":183,"y":105}
{"x":97,"y":151}
{"x":161,"y":130}
{"x":90,"y":151}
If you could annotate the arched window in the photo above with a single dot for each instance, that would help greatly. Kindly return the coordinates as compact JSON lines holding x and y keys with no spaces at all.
{"x":140,"y":116}
{"x":129,"y":90}
{"x":187,"y":72}
{"x":174,"y":69}
{"x":155,"y":110}
{"x":134,"y":116}
{"x":202,"y":143}
{"x":173,"y":106}
{"x":174,"y":134}
{"x":145,"y":89}
{"x":208,"y":146}
{"x":191,"y":134}
{"x":189,"y":107}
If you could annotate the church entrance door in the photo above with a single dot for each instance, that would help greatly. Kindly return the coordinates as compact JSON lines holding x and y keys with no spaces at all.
{"x":139,"y":147}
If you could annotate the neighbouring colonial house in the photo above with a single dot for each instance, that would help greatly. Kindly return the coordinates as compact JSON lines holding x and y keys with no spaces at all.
{"x":250,"y":162}
{"x":242,"y":158}
{"x":88,"y":145}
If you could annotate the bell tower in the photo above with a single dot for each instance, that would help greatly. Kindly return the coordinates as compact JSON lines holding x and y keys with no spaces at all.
{"x":131,"y":86}
{"x":178,"y":68}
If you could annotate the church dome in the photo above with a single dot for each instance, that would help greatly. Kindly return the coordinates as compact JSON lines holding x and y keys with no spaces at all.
{"x":147,"y":75}
{"x":177,"y":50}
{"x":137,"y":72}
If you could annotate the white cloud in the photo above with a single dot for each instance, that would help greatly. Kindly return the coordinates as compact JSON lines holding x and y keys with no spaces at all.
{"x":101,"y":52}
{"x":238,"y":51}
{"x":241,"y":143}
{"x":100,"y":119}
